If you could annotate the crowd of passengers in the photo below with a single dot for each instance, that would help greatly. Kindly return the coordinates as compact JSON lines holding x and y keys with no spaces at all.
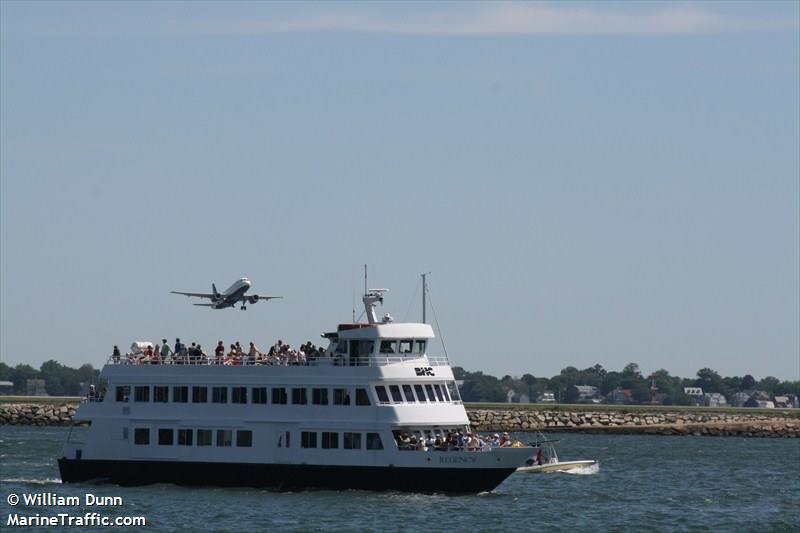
{"x":455,"y":440}
{"x":280,"y":353}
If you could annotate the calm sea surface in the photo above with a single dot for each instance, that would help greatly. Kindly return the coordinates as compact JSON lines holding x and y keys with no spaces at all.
{"x":644,"y":483}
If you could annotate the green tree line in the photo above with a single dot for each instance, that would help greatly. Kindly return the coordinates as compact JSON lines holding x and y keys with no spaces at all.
{"x":480,"y":387}
{"x":60,"y":380}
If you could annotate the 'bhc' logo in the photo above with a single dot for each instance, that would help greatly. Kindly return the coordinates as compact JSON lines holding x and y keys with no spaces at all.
{"x":424,"y":371}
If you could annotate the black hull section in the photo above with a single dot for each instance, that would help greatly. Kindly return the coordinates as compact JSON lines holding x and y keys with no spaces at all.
{"x":285,"y":477}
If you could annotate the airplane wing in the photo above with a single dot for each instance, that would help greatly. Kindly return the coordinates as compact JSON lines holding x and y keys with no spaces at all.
{"x":253,"y":298}
{"x":205,"y":305}
{"x":197,"y":294}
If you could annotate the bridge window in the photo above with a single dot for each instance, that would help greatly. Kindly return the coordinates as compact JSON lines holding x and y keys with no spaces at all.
{"x":406,"y":346}
{"x":299,"y":396}
{"x":161,"y":394}
{"x":199,"y":394}
{"x":420,"y":393}
{"x":259,"y":395}
{"x":341,"y":347}
{"x":165,"y":437}
{"x":279,"y":396}
{"x":238,"y":394}
{"x":204,"y":437}
{"x":388,"y":347}
{"x":308,"y":439}
{"x":352,"y":441}
{"x":341,"y":397}
{"x":444,"y":391}
{"x":219,"y":394}
{"x":429,"y":390}
{"x":408,"y":393}
{"x":330,"y":440}
{"x":244,"y":438}
{"x":123,"y":393}
{"x":141,"y":394}
{"x":180,"y":394}
{"x":438,"y":390}
{"x":419,"y":347}
{"x":382,"y":396}
{"x":319,"y":396}
{"x":374,"y":441}
{"x":185,"y":437}
{"x":395,"y":390}
{"x":224,"y":437}
{"x":141,"y":436}
{"x":362,"y":398}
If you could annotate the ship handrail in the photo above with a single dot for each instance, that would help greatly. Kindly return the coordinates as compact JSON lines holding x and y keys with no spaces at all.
{"x":375,"y":360}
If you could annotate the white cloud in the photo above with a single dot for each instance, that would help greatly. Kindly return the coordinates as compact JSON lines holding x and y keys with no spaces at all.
{"x":506,"y":19}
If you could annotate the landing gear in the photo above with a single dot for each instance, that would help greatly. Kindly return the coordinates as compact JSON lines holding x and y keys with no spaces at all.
{"x":244,"y":308}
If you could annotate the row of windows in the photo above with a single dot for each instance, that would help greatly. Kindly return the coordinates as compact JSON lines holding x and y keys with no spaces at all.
{"x":257,"y":395}
{"x":362,"y":348}
{"x":188,"y":437}
{"x":330,"y":440}
{"x":433,"y":392}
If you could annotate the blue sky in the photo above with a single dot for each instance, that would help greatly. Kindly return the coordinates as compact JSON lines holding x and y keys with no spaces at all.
{"x":586,"y":183}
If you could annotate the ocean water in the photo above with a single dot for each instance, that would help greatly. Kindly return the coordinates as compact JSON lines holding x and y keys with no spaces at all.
{"x":643,"y":483}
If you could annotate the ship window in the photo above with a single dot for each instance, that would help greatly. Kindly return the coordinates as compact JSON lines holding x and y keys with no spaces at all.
{"x":395,"y":390}
{"x":341,"y":347}
{"x":374,"y":441}
{"x":382,"y":396}
{"x":219,"y":395}
{"x":165,"y":437}
{"x":438,"y":390}
{"x":330,"y":440}
{"x":365,"y":348}
{"x":341,"y":397}
{"x":308,"y":439}
{"x":406,"y":345}
{"x":141,"y":436}
{"x":199,"y":394}
{"x":224,"y":437}
{"x":453,"y":389}
{"x":185,"y":437}
{"x":362,"y":398}
{"x":180,"y":394}
{"x":259,"y":395}
{"x":279,"y":396}
{"x":204,"y":437}
{"x":124,"y":433}
{"x":299,"y":396}
{"x":141,"y":394}
{"x":388,"y":346}
{"x":319,"y":396}
{"x":408,"y":393}
{"x":244,"y":438}
{"x":238,"y":394}
{"x":352,"y":441}
{"x":446,"y":394}
{"x":419,"y":347}
{"x":288,"y":438}
{"x":420,"y":393}
{"x":429,"y":390}
{"x":161,"y":393}
{"x":123,"y":392}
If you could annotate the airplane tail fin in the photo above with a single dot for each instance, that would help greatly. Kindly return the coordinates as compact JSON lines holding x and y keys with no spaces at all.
{"x":214,"y":289}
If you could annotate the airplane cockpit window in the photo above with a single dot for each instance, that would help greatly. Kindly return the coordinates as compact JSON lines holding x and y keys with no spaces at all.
{"x":406,"y":345}
{"x":388,"y":346}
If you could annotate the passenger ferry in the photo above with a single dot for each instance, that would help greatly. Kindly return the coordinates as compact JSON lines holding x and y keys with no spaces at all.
{"x":333,"y":422}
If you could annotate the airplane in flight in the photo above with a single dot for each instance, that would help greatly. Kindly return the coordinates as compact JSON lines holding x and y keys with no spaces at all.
{"x":232,"y":295}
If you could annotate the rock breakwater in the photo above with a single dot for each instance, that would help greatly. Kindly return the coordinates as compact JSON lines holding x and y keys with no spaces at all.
{"x":37,"y":414}
{"x":654,"y":423}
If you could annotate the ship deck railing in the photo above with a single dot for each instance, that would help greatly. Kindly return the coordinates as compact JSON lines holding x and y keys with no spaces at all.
{"x":374,"y":360}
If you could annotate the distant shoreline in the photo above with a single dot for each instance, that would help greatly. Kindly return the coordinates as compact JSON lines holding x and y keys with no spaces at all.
{"x":607,"y":419}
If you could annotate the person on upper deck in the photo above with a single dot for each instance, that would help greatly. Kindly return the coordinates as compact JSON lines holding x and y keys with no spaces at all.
{"x":115,"y":354}
{"x":219,"y":353}
{"x":166,"y":351}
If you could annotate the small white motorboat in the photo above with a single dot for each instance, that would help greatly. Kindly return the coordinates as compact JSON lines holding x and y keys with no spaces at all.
{"x":546,"y":460}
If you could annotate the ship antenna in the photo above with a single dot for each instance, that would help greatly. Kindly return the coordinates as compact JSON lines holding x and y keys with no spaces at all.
{"x":365,"y":279}
{"x":424,"y":296}
{"x":439,"y":329}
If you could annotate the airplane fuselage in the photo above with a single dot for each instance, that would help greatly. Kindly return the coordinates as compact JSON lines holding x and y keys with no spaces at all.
{"x":232,"y":294}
